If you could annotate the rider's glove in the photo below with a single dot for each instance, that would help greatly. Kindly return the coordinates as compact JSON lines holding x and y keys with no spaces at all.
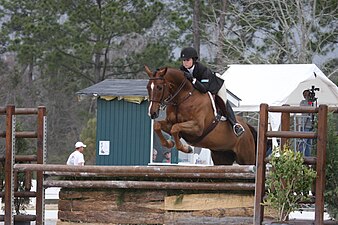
{"x":188,"y":76}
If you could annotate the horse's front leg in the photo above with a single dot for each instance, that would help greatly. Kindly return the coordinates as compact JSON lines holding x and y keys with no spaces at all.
{"x":190,"y":127}
{"x":158,"y":127}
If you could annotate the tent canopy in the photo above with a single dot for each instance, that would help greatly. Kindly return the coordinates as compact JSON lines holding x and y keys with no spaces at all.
{"x":278,"y":84}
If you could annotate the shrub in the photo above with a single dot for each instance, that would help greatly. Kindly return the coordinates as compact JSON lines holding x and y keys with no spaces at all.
{"x":289,"y":181}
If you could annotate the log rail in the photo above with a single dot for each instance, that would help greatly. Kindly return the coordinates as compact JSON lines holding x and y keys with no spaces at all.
{"x":223,"y":177}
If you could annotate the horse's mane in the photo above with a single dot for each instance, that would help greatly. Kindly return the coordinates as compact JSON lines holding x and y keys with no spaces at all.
{"x":177,"y":72}
{"x":174,"y":69}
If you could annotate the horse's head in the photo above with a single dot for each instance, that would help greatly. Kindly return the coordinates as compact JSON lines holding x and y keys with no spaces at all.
{"x":157,"y":90}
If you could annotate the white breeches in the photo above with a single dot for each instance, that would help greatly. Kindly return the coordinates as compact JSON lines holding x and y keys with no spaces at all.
{"x":223,"y":93}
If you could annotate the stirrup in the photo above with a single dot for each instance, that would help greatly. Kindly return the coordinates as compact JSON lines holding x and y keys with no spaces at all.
{"x":236,"y":131}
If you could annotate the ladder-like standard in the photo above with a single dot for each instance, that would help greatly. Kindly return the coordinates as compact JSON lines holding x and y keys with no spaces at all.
{"x":10,"y":134}
{"x":319,"y":161}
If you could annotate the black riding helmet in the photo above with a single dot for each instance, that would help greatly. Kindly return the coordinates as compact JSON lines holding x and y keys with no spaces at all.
{"x":188,"y":53}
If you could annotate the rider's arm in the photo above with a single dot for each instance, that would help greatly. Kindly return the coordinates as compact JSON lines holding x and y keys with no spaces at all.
{"x":202,"y":87}
{"x":199,"y":86}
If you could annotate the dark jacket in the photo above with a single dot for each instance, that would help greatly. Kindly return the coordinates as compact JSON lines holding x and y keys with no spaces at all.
{"x":206,"y":77}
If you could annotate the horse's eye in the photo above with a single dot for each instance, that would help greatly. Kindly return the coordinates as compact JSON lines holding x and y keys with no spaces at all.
{"x":159,"y":88}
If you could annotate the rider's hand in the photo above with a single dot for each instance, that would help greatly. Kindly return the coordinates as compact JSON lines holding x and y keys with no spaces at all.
{"x":188,"y":76}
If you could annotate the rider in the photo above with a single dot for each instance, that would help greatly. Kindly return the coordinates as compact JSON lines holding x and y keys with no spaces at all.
{"x":205,"y":80}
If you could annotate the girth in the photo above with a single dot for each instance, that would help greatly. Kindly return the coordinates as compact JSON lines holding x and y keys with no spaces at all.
{"x":211,"y":126}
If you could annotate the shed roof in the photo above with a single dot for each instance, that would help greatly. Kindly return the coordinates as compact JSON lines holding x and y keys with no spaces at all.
{"x":117,"y":87}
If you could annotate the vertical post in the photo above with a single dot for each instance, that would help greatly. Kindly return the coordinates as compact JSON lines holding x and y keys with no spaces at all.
{"x":41,"y":150}
{"x":321,"y":162}
{"x":28,"y":180}
{"x":285,"y":126}
{"x":9,"y":162}
{"x":260,"y":164}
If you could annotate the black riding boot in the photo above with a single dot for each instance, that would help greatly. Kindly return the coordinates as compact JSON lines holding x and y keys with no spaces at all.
{"x":237,"y":128}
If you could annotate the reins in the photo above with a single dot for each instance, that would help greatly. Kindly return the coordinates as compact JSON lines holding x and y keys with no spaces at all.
{"x":171,"y":98}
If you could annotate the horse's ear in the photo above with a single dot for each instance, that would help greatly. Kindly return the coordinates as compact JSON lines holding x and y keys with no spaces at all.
{"x":163,"y":71}
{"x":148,"y":70}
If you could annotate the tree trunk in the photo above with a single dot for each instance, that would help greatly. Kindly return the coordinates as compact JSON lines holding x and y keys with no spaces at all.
{"x":221,"y":24}
{"x":196,"y":26}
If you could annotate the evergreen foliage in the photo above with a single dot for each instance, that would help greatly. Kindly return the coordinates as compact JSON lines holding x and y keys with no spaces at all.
{"x":51,"y":49}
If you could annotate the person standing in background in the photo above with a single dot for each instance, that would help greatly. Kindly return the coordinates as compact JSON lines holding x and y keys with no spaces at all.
{"x":306,"y":124}
{"x":167,"y":157}
{"x":77,"y":158}
{"x":154,"y":155}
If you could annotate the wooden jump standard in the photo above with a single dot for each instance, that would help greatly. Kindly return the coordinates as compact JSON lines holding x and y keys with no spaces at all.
{"x":10,"y":134}
{"x":284,"y":134}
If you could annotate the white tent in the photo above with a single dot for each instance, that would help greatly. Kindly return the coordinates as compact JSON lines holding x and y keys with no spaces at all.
{"x":277,"y":84}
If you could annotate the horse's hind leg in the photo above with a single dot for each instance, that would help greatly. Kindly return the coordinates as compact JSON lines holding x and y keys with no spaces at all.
{"x":223,"y":157}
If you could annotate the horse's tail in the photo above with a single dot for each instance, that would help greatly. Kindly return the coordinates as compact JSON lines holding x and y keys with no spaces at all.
{"x":254,"y":134}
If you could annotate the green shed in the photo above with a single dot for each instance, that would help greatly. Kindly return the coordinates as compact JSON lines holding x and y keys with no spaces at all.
{"x":123,"y":132}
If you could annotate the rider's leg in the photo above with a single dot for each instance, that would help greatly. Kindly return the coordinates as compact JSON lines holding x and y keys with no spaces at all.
{"x":237,"y":128}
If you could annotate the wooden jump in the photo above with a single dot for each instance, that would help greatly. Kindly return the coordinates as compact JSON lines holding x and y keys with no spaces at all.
{"x":134,"y":169}
{"x":237,"y":173}
{"x":213,"y":186}
{"x":233,"y":174}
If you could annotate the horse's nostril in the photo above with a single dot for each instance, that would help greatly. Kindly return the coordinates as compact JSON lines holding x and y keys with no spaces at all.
{"x":154,"y":115}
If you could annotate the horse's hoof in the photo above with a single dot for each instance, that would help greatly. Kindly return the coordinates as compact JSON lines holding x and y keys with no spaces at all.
{"x":190,"y":150}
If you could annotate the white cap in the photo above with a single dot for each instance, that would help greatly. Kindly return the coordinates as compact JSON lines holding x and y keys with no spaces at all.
{"x":80,"y":144}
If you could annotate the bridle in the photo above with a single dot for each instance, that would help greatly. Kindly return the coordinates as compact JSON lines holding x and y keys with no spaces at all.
{"x":164,"y":86}
{"x":170,"y":99}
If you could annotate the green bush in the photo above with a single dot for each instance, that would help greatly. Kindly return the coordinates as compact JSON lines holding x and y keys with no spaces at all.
{"x":288,"y":182}
{"x":331,"y":188}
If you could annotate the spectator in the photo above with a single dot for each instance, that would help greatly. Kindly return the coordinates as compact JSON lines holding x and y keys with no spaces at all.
{"x":154,"y":154}
{"x":76,"y":158}
{"x":306,"y":125}
{"x":167,"y":157}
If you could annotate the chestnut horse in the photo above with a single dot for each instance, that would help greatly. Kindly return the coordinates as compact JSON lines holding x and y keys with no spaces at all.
{"x":190,"y":115}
